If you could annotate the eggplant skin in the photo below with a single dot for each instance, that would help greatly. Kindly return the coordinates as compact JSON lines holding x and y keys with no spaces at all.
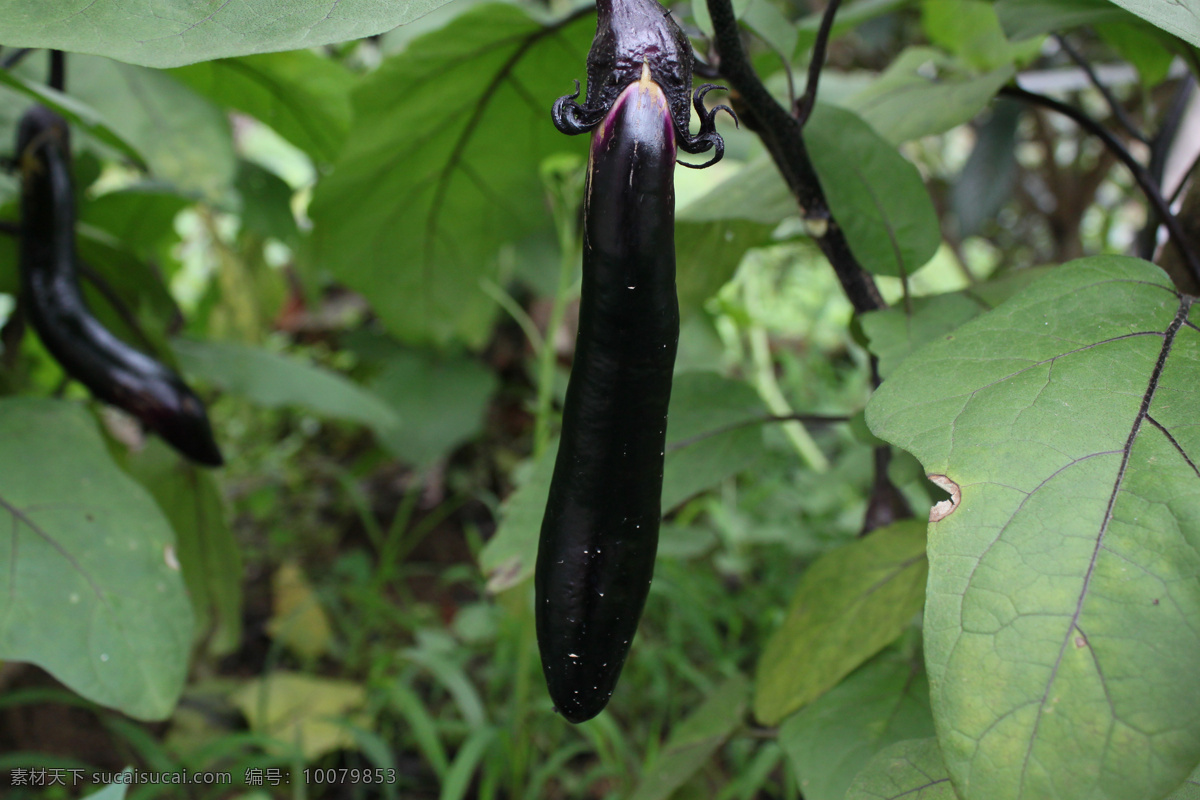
{"x":600,"y":532}
{"x":112,"y":370}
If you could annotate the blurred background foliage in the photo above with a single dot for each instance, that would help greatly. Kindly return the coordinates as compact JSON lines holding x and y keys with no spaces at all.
{"x":365,"y":255}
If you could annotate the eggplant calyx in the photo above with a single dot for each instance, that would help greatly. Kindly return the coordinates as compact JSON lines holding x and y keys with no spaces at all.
{"x":630,"y":35}
{"x":707,"y":137}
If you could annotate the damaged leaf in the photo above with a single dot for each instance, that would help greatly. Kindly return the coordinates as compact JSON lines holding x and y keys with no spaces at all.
{"x":1061,"y":641}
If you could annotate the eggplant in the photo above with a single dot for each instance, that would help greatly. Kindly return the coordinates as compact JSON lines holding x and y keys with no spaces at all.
{"x":632,"y":35}
{"x":600,"y":531}
{"x":112,"y":370}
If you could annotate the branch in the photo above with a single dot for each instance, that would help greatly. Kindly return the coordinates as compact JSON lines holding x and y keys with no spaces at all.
{"x":763,"y":420}
{"x":780,"y":133}
{"x":1141,"y":175}
{"x":15,"y":57}
{"x":58,"y":71}
{"x":1160,"y":150}
{"x":805,"y":106}
{"x":1117,"y":110}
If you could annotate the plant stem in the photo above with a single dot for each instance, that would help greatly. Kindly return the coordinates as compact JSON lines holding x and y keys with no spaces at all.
{"x":780,"y":132}
{"x":816,"y":63}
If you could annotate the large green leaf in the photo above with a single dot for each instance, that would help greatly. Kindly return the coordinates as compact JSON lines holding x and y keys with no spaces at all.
{"x":274,"y":380}
{"x":303,"y":96}
{"x":443,"y":168}
{"x":1060,"y":628}
{"x":694,"y":741}
{"x":850,"y":604}
{"x":925,"y":92}
{"x":90,"y":589}
{"x":874,"y":193}
{"x":712,"y":433}
{"x":167,"y":33}
{"x":833,"y":738}
{"x":183,"y":137}
{"x":206,"y":550}
{"x":912,"y":770}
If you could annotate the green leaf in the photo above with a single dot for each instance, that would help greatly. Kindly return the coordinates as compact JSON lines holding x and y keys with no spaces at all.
{"x":184,"y":139}
{"x":714,"y":231}
{"x":894,"y":333}
{"x":1060,"y":623}
{"x":768,"y":22}
{"x":756,"y":193}
{"x":205,"y":546}
{"x":140,"y":217}
{"x":987,"y":179}
{"x":1147,"y":48}
{"x":301,"y":711}
{"x":708,"y":439}
{"x":91,"y":591}
{"x":834,"y":737}
{"x":912,"y":770}
{"x":1190,"y":790}
{"x":440,"y":400}
{"x":707,"y":255}
{"x":925,"y":92}
{"x":692,"y":744}
{"x":850,"y":604}
{"x":303,"y":96}
{"x":968,"y":29}
{"x":1024,"y":18}
{"x":848,"y":17}
{"x":167,"y":33}
{"x":266,"y":204}
{"x":73,"y":110}
{"x":443,"y":168}
{"x":874,"y":193}
{"x":509,"y":557}
{"x":273,"y":380}
{"x":1181,"y":17}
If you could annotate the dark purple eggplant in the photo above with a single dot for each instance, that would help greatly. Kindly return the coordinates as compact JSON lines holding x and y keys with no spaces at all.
{"x":112,"y":370}
{"x":600,"y":532}
{"x":631,"y":34}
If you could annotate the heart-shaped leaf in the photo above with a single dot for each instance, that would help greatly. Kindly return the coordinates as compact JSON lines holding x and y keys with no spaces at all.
{"x":1060,"y":632}
{"x":90,"y":589}
{"x":443,"y":168}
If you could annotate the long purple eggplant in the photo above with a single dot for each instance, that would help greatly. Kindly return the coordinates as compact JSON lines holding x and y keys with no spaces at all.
{"x":87,"y":351}
{"x":600,"y":532}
